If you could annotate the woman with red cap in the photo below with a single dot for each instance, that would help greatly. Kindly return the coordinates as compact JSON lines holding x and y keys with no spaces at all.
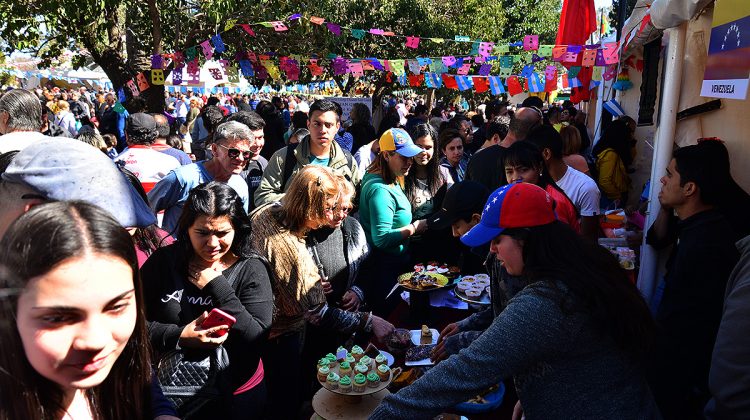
{"x":573,"y":339}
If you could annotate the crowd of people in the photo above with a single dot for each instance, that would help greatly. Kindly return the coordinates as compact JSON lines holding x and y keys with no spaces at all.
{"x":119,"y":244}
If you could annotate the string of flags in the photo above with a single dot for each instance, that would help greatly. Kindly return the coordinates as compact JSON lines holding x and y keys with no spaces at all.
{"x":486,"y":58}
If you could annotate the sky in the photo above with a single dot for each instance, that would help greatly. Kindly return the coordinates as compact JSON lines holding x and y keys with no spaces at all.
{"x":602,"y":3}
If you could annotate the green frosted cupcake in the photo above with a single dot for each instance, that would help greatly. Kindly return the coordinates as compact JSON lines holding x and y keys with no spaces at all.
{"x":360,"y":368}
{"x":352,"y":361}
{"x":384,"y":372}
{"x":373,"y":380}
{"x":332,"y":380}
{"x":367,"y":361}
{"x":345,"y":368}
{"x":345,"y":384}
{"x":380,"y":359}
{"x":323,"y":372}
{"x":360,"y":382}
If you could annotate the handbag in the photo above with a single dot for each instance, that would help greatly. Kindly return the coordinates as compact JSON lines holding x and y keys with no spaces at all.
{"x":191,"y":378}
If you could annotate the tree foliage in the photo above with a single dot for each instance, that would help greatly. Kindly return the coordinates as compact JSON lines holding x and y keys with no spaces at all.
{"x":120,"y":35}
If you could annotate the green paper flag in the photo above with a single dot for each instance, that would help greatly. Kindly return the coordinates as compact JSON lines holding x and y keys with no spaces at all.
{"x":118,"y":108}
{"x":358,"y":33}
{"x":502,"y":49}
{"x":230,"y":24}
{"x":462,"y":38}
{"x":397,"y":66}
{"x":190,"y":53}
{"x":545,"y":50}
{"x":267,"y":24}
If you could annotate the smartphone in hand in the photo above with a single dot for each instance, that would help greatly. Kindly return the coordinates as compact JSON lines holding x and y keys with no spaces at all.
{"x":216,"y":318}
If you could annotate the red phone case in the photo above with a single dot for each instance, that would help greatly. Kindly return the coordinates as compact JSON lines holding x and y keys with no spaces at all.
{"x":218,"y":317}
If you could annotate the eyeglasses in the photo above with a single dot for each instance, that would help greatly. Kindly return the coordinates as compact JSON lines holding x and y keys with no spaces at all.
{"x":235,"y":153}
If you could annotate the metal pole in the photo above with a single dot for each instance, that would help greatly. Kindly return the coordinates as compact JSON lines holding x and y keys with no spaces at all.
{"x":663,"y":145}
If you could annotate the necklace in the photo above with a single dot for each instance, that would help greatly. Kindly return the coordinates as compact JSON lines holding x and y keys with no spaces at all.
{"x":422,"y":183}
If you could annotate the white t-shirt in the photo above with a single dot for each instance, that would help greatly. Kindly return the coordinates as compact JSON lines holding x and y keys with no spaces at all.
{"x":148,"y":165}
{"x":581,"y":190}
{"x":18,"y":140}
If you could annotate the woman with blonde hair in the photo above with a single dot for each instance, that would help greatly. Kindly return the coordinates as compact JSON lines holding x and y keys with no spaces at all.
{"x":65,"y":119}
{"x":571,"y":139}
{"x":279,"y":234}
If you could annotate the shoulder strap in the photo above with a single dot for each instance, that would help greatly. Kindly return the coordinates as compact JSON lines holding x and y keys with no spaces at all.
{"x":289,"y":164}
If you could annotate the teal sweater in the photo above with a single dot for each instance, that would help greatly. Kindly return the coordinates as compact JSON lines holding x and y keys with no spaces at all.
{"x":383,"y":211}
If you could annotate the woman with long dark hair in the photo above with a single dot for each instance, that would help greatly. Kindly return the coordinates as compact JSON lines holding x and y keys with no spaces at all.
{"x":426,"y":175}
{"x":211,"y":266}
{"x":613,"y":157}
{"x":361,"y":129}
{"x":74,"y":340}
{"x":454,"y":158}
{"x":524,"y":163}
{"x":574,"y":339}
{"x":386,"y":217}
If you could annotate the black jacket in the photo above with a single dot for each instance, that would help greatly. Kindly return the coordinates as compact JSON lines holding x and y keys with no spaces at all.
{"x":173,"y":302}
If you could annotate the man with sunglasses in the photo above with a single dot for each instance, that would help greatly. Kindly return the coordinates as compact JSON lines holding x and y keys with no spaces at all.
{"x":231,"y":149}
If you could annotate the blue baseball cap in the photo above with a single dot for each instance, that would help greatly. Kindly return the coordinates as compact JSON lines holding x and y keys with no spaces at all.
{"x":399,"y":141}
{"x":516,"y":205}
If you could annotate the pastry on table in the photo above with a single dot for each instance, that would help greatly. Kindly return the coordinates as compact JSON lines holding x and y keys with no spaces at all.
{"x":373,"y":380}
{"x":418,"y":353}
{"x":380,"y":359}
{"x":357,"y":352}
{"x":359,"y":383}
{"x":361,"y":368}
{"x":332,"y":380}
{"x":345,"y":369}
{"x":384,"y":372}
{"x":367,"y":361}
{"x":425,"y":337}
{"x":345,"y":384}
{"x":323,"y":372}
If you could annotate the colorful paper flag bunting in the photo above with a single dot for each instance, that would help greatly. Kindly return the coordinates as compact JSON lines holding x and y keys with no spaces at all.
{"x":412,"y":41}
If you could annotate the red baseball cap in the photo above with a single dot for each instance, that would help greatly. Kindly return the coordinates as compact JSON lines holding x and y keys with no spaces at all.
{"x":516,"y":205}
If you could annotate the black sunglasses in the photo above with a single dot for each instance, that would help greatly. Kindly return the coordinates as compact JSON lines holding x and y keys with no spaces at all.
{"x":235,"y":153}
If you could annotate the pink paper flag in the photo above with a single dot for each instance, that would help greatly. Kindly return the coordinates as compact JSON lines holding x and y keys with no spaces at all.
{"x":248,"y":29}
{"x":133,"y":88}
{"x":412,"y":41}
{"x":449,"y":60}
{"x":570,"y":57}
{"x":208,"y":50}
{"x":376,"y":31}
{"x":279,"y":26}
{"x":611,"y":53}
{"x":356,"y":69}
{"x":531,"y":42}
{"x":485,"y":48}
{"x":464,"y":70}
